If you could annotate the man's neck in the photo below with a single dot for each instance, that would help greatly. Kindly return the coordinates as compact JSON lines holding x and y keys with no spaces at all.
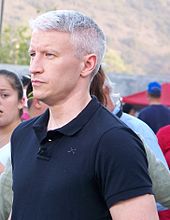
{"x":62,"y":114}
{"x":154,"y":102}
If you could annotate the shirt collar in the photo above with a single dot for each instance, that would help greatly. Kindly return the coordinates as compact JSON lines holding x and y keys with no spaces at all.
{"x":73,"y":126}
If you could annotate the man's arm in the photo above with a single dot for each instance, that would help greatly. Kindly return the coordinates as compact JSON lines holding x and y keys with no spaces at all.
{"x":138,"y":208}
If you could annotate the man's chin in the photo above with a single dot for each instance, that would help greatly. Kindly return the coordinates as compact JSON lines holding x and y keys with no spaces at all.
{"x":39,"y":97}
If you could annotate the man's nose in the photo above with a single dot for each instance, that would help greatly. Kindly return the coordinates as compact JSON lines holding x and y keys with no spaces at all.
{"x":36,"y":65}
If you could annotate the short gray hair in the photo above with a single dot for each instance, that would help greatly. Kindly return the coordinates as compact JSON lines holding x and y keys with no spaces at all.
{"x":86,"y":35}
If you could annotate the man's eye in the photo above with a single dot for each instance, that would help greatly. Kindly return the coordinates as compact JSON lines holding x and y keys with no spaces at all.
{"x":32,"y":54}
{"x":49,"y":55}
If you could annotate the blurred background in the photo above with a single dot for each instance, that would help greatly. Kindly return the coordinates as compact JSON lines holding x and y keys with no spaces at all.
{"x":138,"y":37}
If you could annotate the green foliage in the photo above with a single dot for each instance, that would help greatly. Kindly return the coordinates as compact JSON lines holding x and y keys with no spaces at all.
{"x":114,"y":62}
{"x":14,"y":46}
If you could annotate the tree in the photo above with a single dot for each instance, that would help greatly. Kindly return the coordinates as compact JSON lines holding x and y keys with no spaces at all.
{"x":14,"y":45}
{"x":114,"y":62}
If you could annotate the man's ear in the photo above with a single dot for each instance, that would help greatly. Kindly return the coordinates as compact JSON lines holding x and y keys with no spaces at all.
{"x":88,"y":65}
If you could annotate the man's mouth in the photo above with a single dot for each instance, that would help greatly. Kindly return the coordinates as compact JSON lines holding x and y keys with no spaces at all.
{"x":36,"y":82}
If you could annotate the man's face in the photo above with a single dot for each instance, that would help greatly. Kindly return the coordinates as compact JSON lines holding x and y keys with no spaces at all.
{"x":55,"y":71}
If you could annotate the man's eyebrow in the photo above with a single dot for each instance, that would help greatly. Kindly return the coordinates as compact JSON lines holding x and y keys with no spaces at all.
{"x":51,"y":51}
{"x":44,"y":50}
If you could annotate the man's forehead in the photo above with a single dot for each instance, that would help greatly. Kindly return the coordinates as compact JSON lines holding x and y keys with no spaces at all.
{"x":50,"y":40}
{"x":49,"y":37}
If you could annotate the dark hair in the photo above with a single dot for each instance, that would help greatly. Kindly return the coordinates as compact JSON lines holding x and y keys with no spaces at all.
{"x":128,"y":107}
{"x":96,"y":87}
{"x":29,"y":94}
{"x":155,"y":95}
{"x":15,"y":83}
{"x":25,"y":80}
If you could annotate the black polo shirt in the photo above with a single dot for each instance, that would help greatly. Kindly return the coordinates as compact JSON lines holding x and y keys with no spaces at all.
{"x":76,"y":172}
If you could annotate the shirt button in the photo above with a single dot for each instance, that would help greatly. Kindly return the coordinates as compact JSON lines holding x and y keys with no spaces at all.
{"x":49,"y":140}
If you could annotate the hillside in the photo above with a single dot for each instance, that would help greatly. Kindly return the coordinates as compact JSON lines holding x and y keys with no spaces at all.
{"x":138,"y":32}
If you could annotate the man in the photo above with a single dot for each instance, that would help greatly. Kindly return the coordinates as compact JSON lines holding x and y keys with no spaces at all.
{"x":129,"y":109}
{"x":155,"y":115}
{"x":67,"y":163}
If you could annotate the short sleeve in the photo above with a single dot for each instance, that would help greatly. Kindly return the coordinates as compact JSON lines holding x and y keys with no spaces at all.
{"x":121,"y":166}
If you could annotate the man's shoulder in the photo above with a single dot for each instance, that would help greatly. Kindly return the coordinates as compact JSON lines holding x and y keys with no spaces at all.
{"x":22,"y":134}
{"x":165,"y":108}
{"x":106,"y":119}
{"x":24,"y":126}
{"x":146,"y":109}
{"x":27,"y":123}
{"x":146,"y":112}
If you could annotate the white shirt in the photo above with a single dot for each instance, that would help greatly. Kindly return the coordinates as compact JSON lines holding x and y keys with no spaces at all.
{"x":5,"y":153}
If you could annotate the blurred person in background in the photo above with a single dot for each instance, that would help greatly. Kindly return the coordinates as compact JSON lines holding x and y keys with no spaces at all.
{"x":129,"y":109}
{"x":155,"y":115}
{"x":26,"y":79}
{"x":35,"y":106}
{"x":163,"y":136}
{"x":11,"y":108}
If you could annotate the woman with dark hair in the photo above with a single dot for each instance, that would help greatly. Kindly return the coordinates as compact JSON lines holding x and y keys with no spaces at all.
{"x":11,"y":109}
{"x":11,"y":105}
{"x":96,"y":87}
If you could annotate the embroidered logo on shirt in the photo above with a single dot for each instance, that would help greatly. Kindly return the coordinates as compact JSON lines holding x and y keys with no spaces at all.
{"x":72,"y":150}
